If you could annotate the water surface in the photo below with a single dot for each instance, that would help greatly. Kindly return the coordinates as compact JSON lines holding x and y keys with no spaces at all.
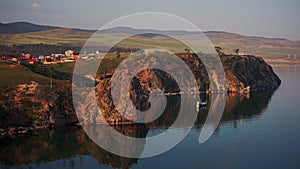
{"x":260,"y":130}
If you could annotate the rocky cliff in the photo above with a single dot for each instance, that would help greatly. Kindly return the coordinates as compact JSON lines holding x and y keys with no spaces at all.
{"x":243,"y":74}
{"x":39,"y":106}
{"x":32,"y":106}
{"x":249,"y":73}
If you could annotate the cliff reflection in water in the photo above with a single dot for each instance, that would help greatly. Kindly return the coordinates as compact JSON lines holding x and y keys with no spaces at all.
{"x":239,"y":107}
{"x":65,"y":143}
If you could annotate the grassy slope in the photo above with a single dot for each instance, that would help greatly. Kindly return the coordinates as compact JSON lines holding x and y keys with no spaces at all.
{"x":154,"y":42}
{"x":267,"y":48}
{"x":55,"y":36}
{"x":18,"y":75}
{"x":12,"y":75}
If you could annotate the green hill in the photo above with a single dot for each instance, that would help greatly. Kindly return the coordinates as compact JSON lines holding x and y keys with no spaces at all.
{"x":12,"y":75}
{"x":36,"y":34}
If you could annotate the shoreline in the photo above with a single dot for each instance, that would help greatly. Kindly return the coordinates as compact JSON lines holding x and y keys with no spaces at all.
{"x":276,"y":62}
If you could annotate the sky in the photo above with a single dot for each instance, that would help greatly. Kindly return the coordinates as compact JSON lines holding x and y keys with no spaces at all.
{"x":267,"y":18}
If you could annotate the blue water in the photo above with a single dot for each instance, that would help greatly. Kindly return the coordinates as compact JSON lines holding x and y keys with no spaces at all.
{"x":260,"y":131}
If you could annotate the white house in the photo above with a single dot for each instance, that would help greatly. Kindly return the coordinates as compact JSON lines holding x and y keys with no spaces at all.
{"x":242,"y":52}
{"x":69,"y":53}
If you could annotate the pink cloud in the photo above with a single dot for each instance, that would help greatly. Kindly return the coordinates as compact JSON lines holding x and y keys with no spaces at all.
{"x":35,"y":5}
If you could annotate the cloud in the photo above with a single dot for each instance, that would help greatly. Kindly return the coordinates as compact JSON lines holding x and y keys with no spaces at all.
{"x":35,"y":5}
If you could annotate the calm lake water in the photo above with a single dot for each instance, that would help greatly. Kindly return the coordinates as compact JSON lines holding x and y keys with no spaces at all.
{"x":256,"y":131}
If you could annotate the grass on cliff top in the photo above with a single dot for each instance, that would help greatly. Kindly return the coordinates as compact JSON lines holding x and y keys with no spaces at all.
{"x":109,"y":61}
{"x":12,"y":75}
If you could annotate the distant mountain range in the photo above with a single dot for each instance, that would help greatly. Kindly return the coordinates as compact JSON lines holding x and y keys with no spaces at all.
{"x":24,"y":33}
{"x":22,"y":27}
{"x":25,"y":27}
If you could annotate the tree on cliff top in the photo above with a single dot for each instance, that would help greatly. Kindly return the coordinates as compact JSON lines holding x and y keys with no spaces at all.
{"x":219,"y":50}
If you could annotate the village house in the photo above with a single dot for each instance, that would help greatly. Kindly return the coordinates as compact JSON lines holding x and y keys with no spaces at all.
{"x":70,"y":54}
{"x":149,"y":51}
{"x":32,"y":59}
{"x":26,"y":55}
{"x":57,"y":57}
{"x":242,"y":52}
{"x":75,"y":56}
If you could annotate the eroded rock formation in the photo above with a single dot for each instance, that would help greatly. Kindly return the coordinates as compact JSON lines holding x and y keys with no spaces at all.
{"x":40,"y":106}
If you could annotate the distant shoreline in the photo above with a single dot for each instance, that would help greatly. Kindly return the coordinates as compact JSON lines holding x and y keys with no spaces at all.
{"x":281,"y":62}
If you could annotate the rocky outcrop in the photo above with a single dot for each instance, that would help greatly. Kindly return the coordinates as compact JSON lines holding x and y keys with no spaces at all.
{"x":245,"y":73}
{"x":33,"y":106}
{"x":39,"y":106}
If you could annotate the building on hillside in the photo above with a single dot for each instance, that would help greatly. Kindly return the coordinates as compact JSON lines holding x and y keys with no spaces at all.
{"x":6,"y":57}
{"x":41,"y":58}
{"x":149,"y":51}
{"x":32,"y":60}
{"x":57,"y":57}
{"x":48,"y":59}
{"x":26,"y":55}
{"x":75,"y":56}
{"x":242,"y":52}
{"x":69,"y":53}
{"x":14,"y":59}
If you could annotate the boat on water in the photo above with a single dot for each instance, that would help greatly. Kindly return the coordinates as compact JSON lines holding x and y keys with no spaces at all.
{"x":200,"y":105}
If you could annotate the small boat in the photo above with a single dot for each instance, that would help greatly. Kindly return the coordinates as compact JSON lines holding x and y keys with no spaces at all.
{"x":200,"y":105}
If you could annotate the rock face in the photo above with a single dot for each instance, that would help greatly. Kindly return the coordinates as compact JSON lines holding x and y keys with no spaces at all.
{"x":245,"y":73}
{"x":39,"y":106}
{"x":139,"y":90}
